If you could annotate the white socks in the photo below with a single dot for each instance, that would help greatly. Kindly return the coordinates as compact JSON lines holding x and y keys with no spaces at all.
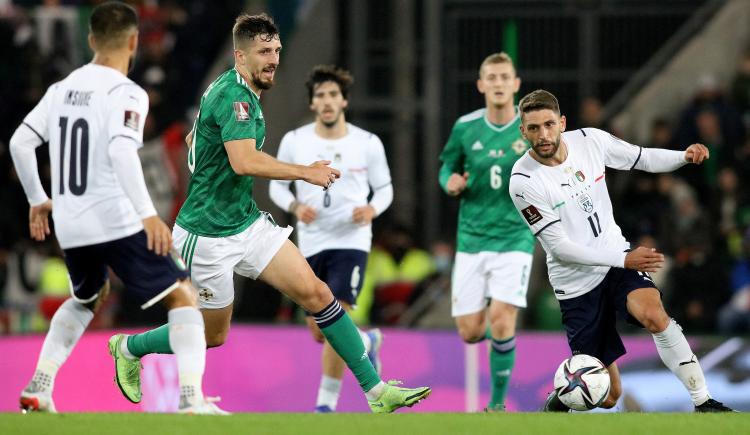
{"x":675,"y":352}
{"x":188,"y":342}
{"x":65,"y":329}
{"x":328,"y":392}
{"x":365,"y":340}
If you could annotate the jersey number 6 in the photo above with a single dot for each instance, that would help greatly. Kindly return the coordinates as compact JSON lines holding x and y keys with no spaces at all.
{"x":496,"y":180}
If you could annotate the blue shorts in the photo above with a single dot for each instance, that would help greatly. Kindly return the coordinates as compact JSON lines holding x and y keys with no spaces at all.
{"x":590,"y":319}
{"x":342,"y":269}
{"x":145,"y":274}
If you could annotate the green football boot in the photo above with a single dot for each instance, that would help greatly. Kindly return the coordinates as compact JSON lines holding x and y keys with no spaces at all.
{"x":127,"y":371}
{"x":395,"y":397}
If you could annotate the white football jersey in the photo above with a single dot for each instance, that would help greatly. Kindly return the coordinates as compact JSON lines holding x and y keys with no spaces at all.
{"x":361,"y":159}
{"x":80,"y":116}
{"x":574,"y":195}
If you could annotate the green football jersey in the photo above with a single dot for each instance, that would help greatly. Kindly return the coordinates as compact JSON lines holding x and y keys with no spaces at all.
{"x":219,"y":202}
{"x":487,"y":218}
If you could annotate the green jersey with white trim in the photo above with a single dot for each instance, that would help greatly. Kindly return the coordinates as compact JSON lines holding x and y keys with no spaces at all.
{"x":219,"y":202}
{"x":487,"y":218}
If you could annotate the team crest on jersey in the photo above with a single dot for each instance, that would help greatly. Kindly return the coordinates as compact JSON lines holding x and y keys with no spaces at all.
{"x":519,"y":146}
{"x":132,"y":119}
{"x":585,"y":202}
{"x":241,"y":110}
{"x":580,"y":176}
{"x":205,"y":294}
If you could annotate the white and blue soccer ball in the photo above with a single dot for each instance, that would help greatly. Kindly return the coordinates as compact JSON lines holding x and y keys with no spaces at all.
{"x":582,"y":382}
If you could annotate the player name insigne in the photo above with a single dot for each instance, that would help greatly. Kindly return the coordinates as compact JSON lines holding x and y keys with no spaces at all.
{"x":78,"y":98}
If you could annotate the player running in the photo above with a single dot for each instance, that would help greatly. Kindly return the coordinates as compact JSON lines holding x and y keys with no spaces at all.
{"x":494,"y":252}
{"x":220,"y":230}
{"x":560,"y":190}
{"x":334,"y":229}
{"x":93,"y":120}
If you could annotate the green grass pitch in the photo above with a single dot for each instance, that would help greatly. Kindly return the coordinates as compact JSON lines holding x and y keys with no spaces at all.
{"x":360,"y":424}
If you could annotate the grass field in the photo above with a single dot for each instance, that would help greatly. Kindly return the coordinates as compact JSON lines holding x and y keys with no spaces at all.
{"x":359,"y":424}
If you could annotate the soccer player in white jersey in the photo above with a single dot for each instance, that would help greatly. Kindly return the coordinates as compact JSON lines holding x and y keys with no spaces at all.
{"x":93,"y":120}
{"x":560,"y":190}
{"x":334,"y":226}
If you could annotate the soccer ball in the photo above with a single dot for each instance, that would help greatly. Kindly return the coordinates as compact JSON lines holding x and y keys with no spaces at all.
{"x":582,"y":382}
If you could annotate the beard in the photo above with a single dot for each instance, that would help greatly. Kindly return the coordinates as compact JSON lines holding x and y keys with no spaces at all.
{"x":262,"y":84}
{"x":555,"y":145}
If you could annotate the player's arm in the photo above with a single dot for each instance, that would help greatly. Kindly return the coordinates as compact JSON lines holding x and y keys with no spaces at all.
{"x":28,"y":136}
{"x":452,"y":177}
{"x":546,"y":225}
{"x":246,"y":160}
{"x":619,"y":154}
{"x":279,"y":191}
{"x":379,"y":178}
{"x":125,"y":126}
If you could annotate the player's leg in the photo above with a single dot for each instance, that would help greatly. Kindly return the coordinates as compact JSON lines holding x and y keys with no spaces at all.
{"x":469,"y":297}
{"x":508,"y":283}
{"x":210,"y":261}
{"x":89,"y":289}
{"x":590,"y":325}
{"x":163,"y":279}
{"x":289,"y":272}
{"x":615,"y":387}
{"x":644,"y":304}
{"x":342,"y":270}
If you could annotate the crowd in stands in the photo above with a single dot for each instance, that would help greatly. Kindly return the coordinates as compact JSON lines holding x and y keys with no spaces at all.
{"x":698,"y":216}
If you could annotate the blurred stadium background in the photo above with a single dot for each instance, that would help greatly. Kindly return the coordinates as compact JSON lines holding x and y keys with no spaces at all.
{"x":659,"y":73}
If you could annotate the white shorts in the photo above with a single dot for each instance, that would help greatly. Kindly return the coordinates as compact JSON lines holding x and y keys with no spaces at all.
{"x":212,"y":261}
{"x":503,"y":276}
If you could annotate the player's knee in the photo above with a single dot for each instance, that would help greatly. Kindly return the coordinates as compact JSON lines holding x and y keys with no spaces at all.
{"x":503,"y":326}
{"x":184,"y":295}
{"x":471,"y":334}
{"x":97,"y":303}
{"x":216,"y":338}
{"x":316,"y":296}
{"x":655,"y":319}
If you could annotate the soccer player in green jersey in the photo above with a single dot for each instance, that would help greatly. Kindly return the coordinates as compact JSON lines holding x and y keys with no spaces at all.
{"x":220,"y":230}
{"x":494,"y":246}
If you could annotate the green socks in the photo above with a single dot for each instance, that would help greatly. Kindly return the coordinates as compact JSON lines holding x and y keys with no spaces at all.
{"x":343,"y":336}
{"x":502,"y":359}
{"x":153,"y":341}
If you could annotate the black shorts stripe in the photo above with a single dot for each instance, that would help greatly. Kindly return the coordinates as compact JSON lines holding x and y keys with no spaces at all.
{"x":35,"y":132}
{"x":545,"y":227}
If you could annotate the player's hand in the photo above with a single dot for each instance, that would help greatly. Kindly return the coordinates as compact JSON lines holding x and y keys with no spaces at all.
{"x":39,"y":220}
{"x":304,"y":213}
{"x":320,"y":174}
{"x":158,"y":235}
{"x":457,"y":183}
{"x":696,"y":153}
{"x":644,"y":259}
{"x":363,"y":215}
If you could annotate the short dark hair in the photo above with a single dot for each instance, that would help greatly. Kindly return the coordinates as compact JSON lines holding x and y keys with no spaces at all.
{"x":329,"y":73}
{"x":247,"y":27}
{"x":110,"y":22}
{"x":539,"y":100}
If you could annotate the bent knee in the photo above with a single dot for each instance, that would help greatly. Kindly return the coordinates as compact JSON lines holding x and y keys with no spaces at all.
{"x":471,"y":334}
{"x":217,"y":338}
{"x":315,"y":296}
{"x":655,"y":319}
{"x":184,"y":295}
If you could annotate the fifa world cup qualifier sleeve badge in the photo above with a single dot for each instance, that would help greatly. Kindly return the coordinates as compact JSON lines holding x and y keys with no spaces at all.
{"x":241,"y":110}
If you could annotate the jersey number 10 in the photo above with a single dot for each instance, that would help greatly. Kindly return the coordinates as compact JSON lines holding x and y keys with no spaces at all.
{"x":79,"y":152}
